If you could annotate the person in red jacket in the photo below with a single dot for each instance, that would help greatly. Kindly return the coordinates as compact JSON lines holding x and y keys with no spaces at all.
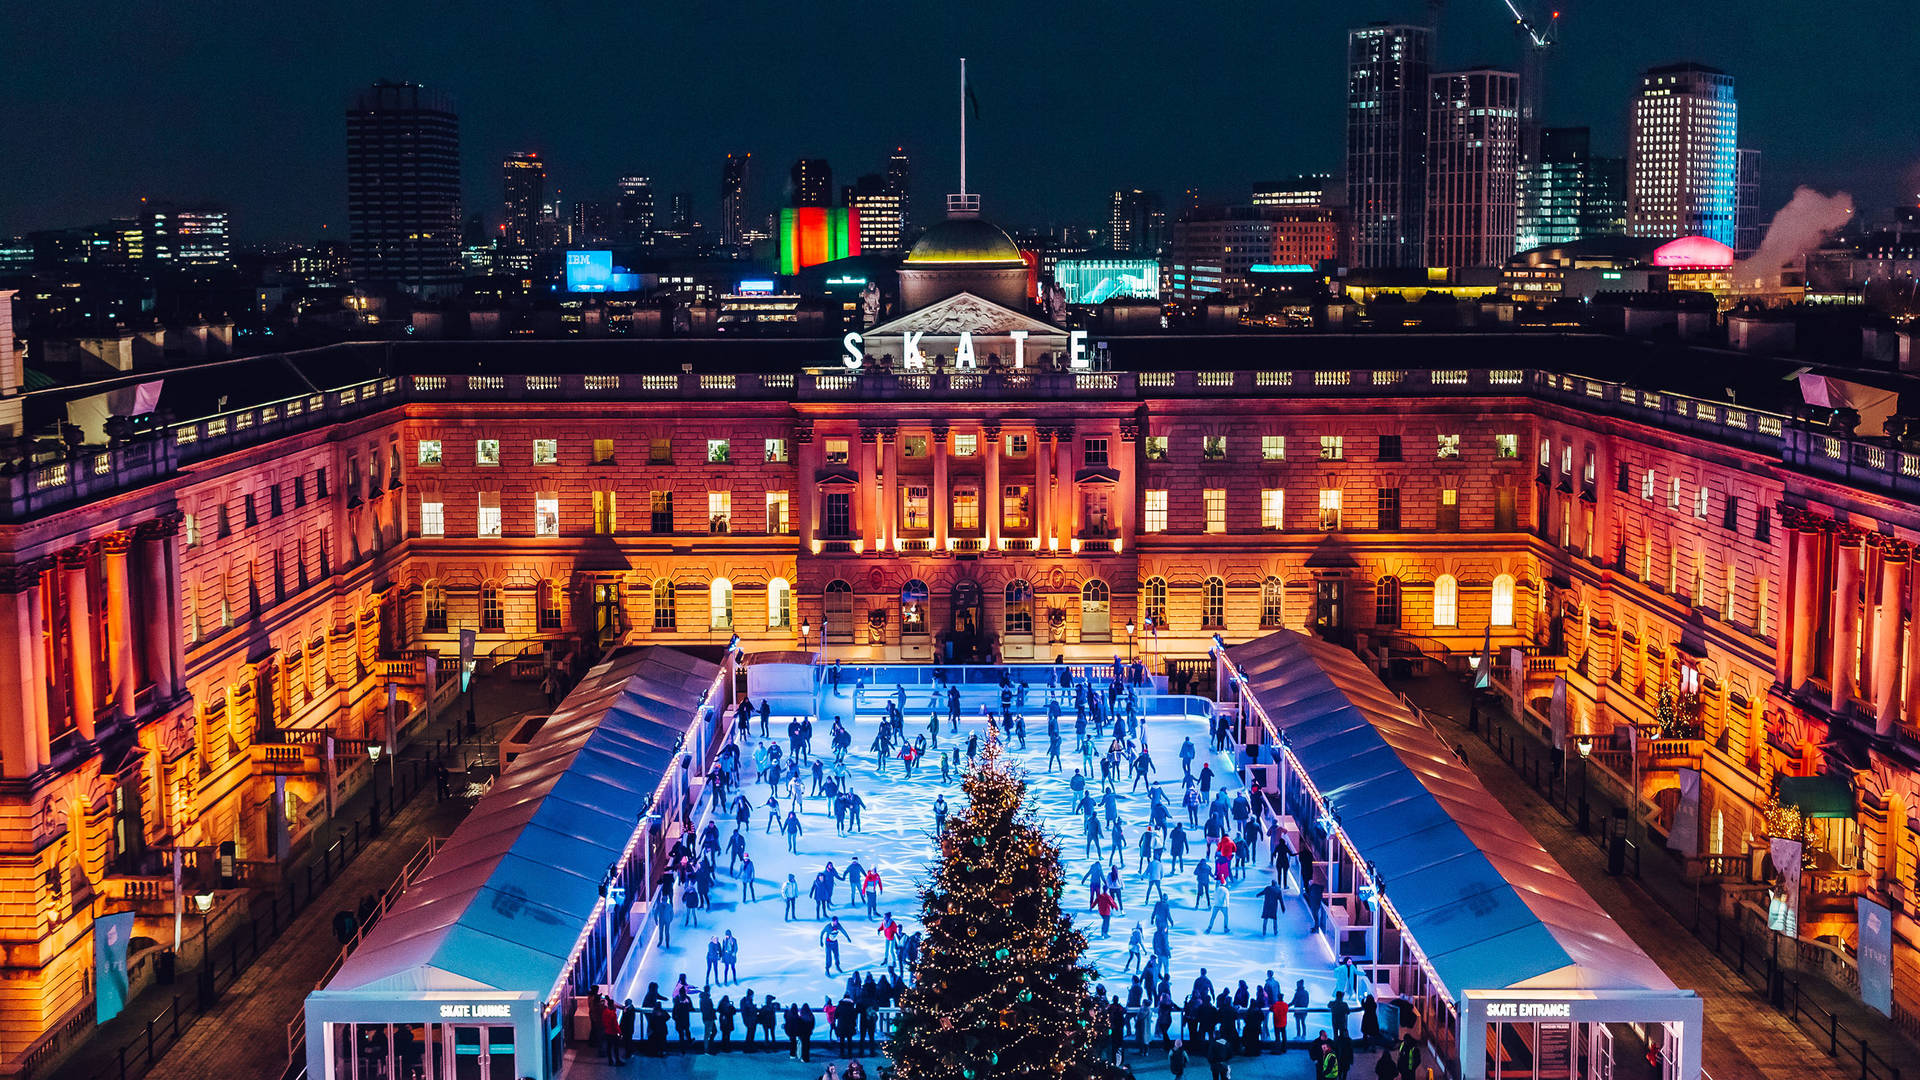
{"x":1105,"y":904}
{"x":870,"y":888}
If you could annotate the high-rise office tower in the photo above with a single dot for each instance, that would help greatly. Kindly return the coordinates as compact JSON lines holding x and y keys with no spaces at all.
{"x":899,"y":182}
{"x":733,"y":200}
{"x":1136,"y":222}
{"x":1473,"y":152}
{"x":523,"y":178}
{"x":403,"y":187}
{"x":680,"y":212}
{"x":1682,"y":159}
{"x":591,"y":223}
{"x":1307,"y":191}
{"x":1387,"y":71}
{"x":1748,"y":229}
{"x":633,"y":210}
{"x":881,"y":213}
{"x":1569,"y":194}
{"x":812,"y":183}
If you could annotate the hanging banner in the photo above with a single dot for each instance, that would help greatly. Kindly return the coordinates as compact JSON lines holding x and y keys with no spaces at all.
{"x":1557,"y":713}
{"x":1517,"y":679}
{"x":467,"y":639}
{"x":111,"y":934}
{"x":1684,"y":837}
{"x":1875,"y":955}
{"x":1783,"y":909}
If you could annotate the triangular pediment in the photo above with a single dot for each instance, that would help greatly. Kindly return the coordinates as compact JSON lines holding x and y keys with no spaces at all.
{"x":964,"y":312}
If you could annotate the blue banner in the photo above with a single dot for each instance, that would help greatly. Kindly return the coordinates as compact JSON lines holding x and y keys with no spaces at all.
{"x":111,"y":933}
{"x":1875,"y":955}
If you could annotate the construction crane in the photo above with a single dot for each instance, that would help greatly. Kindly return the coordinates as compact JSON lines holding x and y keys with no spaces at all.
{"x":1534,"y":43}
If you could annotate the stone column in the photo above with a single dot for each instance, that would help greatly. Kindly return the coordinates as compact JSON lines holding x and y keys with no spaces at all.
{"x":1065,"y":512}
{"x":869,"y":489}
{"x":1846,"y":598}
{"x":1783,"y":614}
{"x":942,"y":508}
{"x":73,"y":571}
{"x":1806,"y":599}
{"x":990,"y":498}
{"x":1042,"y":486}
{"x":805,"y":500}
{"x":1894,"y":558}
{"x":890,"y":491}
{"x":176,"y":632}
{"x":23,"y":697}
{"x":157,"y":598}
{"x":120,"y":630}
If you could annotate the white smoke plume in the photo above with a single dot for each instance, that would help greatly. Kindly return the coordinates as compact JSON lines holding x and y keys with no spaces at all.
{"x":1807,"y":219}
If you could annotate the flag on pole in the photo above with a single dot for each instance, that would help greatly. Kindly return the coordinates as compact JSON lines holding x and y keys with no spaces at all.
{"x":972,"y":101}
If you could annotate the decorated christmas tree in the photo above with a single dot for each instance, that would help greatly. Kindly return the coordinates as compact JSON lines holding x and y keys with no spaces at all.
{"x":999,"y":990}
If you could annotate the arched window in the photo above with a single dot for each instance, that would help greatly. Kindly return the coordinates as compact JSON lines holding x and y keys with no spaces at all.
{"x":664,"y":617}
{"x":549,"y":601}
{"x":1446,"y":601}
{"x":1273,"y":604}
{"x":1017,"y":617}
{"x":434,"y":603}
{"x":1386,"y":602}
{"x":838,"y":612}
{"x":1096,"y":611}
{"x":720,"y":605}
{"x":493,"y":615}
{"x":913,"y":607}
{"x":1213,"y":604}
{"x":1155,"y":599}
{"x":779,"y":604}
{"x":1503,"y":600}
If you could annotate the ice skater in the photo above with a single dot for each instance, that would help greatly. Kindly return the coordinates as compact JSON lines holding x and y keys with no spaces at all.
{"x":830,"y":937}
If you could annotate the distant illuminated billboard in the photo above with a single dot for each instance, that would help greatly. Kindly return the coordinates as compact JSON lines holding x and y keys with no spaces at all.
{"x":756,"y":285}
{"x":1697,"y":251}
{"x":1095,"y":281}
{"x":593,"y":271}
{"x":811,"y":235}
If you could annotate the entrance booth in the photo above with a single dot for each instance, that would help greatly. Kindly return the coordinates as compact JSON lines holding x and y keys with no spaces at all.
{"x":788,"y":679}
{"x":1488,"y":951}
{"x":475,"y":971}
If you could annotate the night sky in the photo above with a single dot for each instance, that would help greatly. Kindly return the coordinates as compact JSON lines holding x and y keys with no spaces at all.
{"x":240,"y":104}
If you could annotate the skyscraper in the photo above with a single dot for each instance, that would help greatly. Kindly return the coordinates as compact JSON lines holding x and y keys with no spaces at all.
{"x":1387,"y":71}
{"x":881,"y":212}
{"x":1473,"y":151}
{"x":403,"y":188}
{"x":1748,"y":229}
{"x":1569,"y":194}
{"x":633,"y":210}
{"x":523,"y":178}
{"x":812,"y":182}
{"x":733,"y":200}
{"x":899,"y":182}
{"x":680,"y":212}
{"x":1137,"y":222}
{"x":1681,"y":166}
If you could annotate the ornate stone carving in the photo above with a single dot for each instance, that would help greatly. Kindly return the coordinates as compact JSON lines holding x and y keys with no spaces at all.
{"x":76,"y":558}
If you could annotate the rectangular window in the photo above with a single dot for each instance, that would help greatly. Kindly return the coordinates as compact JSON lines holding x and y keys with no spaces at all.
{"x":1333,"y":447}
{"x":1273,"y":448}
{"x":274,"y":509}
{"x":1389,"y":506}
{"x":1505,"y":512}
{"x":660,"y":451}
{"x":1726,"y":598}
{"x":1506,"y":447}
{"x":603,"y":451}
{"x":549,"y":607}
{"x":916,"y":507}
{"x":1446,"y":602}
{"x":429,"y":451}
{"x":837,"y":509}
{"x":546,"y":514}
{"x":191,"y":523}
{"x":605,"y":520}
{"x":1273,"y":509}
{"x":966,"y":445}
{"x":1329,"y":509}
{"x":222,"y":522}
{"x":913,"y":447}
{"x":719,"y":451}
{"x":1014,"y":507}
{"x":433,"y":518}
{"x":1449,"y":515}
{"x":1093,"y":453}
{"x":486,"y":452}
{"x":546,"y":451}
{"x":1626,"y":477}
{"x":836,"y":452}
{"x":489,"y":518}
{"x":1213,"y":447}
{"x":299,"y":491}
{"x":1446,"y":447}
{"x":719,"y":511}
{"x":1156,"y":448}
{"x":660,"y":511}
{"x":1154,"y":516}
{"x":1673,"y":495}
{"x":1017,"y":446}
{"x":249,"y":511}
{"x":1215,"y":500}
{"x":966,"y":509}
{"x":1760,"y":605}
{"x":1700,"y":503}
{"x":776,"y":451}
{"x":1730,"y":517}
{"x":1389,"y":448}
{"x":1646,"y":484}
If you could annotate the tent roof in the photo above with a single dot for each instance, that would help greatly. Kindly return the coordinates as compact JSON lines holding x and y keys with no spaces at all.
{"x":502,"y":903}
{"x":1479,"y":896}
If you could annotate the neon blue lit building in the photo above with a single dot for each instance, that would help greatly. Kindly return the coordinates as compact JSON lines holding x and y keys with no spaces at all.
{"x":1095,"y":281}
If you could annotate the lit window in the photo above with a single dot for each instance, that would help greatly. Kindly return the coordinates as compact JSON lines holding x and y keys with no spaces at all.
{"x":1273,"y":448}
{"x":719,"y":451}
{"x":660,"y":511}
{"x":493,"y":615}
{"x":603,"y":451}
{"x":546,"y":451}
{"x":777,"y":512}
{"x":915,"y":506}
{"x":1446,"y":601}
{"x":1448,"y":447}
{"x":1154,"y":519}
{"x":433,"y":518}
{"x":1214,"y":447}
{"x":1156,"y":448}
{"x":1329,"y":509}
{"x":1333,"y":447}
{"x":1273,"y":508}
{"x":664,"y":615}
{"x":486,"y":452}
{"x":605,"y":520}
{"x":720,"y":605}
{"x":1646,"y":484}
{"x":429,"y":451}
{"x":836,"y":453}
{"x":1506,"y":447}
{"x":433,"y":604}
{"x":1673,"y":495}
{"x":1017,"y":446}
{"x":779,"y":604}
{"x":1017,"y":616}
{"x":776,"y":451}
{"x":1014,"y":507}
{"x":966,"y":445}
{"x":1503,"y":600}
{"x":966,"y":508}
{"x":1216,"y":503}
{"x":1700,"y":502}
{"x":660,"y":451}
{"x":546,"y":515}
{"x":489,"y":520}
{"x":1213,"y":604}
{"x":1155,"y":599}
{"x":719,"y":511}
{"x":913,"y":447}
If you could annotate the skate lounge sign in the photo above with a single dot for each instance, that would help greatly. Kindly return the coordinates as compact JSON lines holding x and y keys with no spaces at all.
{"x":965,"y":356}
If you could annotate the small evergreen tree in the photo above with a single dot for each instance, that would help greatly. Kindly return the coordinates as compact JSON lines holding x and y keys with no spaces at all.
{"x":999,"y":989}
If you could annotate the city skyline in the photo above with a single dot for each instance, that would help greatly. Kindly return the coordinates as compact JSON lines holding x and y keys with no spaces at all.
{"x":293,"y":117}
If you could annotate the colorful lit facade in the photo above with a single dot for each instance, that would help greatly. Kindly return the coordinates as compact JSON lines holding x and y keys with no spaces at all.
{"x":811,"y":235}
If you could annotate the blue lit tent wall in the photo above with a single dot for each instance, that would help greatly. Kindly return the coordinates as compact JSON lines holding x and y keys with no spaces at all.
{"x":500,"y":910}
{"x":1478,"y":897}
{"x":787,"y":679}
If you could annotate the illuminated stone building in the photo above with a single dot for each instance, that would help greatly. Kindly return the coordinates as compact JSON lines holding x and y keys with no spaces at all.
{"x":205,"y":604}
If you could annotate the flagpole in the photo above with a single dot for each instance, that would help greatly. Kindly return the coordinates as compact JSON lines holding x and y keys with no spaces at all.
{"x":963,"y":126}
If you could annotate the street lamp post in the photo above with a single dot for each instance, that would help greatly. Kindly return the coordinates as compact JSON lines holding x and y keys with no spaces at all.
{"x":805,"y":629}
{"x":373,"y":766}
{"x":1585,"y":745}
{"x":1129,"y":644}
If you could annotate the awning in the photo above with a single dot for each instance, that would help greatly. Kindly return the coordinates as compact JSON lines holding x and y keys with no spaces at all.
{"x":1818,"y":796}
